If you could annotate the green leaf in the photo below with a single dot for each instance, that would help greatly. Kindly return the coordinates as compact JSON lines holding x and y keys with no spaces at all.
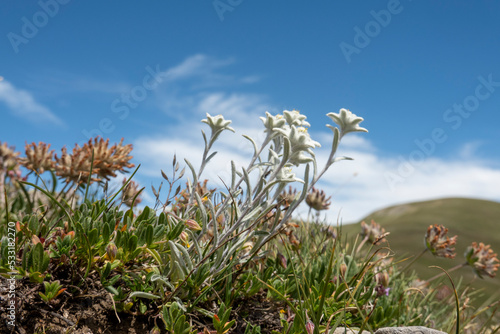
{"x":149,"y":235}
{"x":106,"y":271}
{"x":142,"y":307}
{"x":162,"y":219}
{"x":132,"y":243}
{"x":154,"y":253}
{"x":162,"y":279}
{"x":105,"y":233}
{"x":246,"y":177}
{"x":180,"y":325}
{"x":166,"y":317}
{"x":112,"y":289}
{"x":140,"y":294}
{"x":119,"y":190}
{"x":93,"y":235}
{"x":36,"y":277}
{"x":193,"y":172}
{"x":176,"y":231}
{"x":144,"y":215}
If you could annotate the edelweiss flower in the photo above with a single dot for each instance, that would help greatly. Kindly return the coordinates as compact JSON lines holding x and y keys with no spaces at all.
{"x":295,"y":118}
{"x":38,"y":157}
{"x":272,"y":122}
{"x":482,"y":259}
{"x":285,"y":174}
{"x":438,"y":243}
{"x":217,"y":123}
{"x":300,"y":142}
{"x":317,"y":200}
{"x":347,"y":121}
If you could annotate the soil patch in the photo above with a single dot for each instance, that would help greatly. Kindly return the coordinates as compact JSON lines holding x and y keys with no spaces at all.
{"x":89,"y":310}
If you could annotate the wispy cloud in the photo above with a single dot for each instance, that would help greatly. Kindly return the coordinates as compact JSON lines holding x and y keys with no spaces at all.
{"x":184,"y":139}
{"x":468,"y":150}
{"x":54,"y":82}
{"x":200,"y":82}
{"x":357,"y":187}
{"x":22,"y":103}
{"x":198,"y":65}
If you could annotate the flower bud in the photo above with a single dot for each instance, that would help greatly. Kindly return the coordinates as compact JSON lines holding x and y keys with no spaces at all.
{"x":192,"y":225}
{"x":382,"y":278}
{"x":155,"y":330}
{"x":381,"y":290}
{"x":282,"y":260}
{"x":111,"y":251}
{"x":247,"y":247}
{"x":309,"y":327}
{"x":343,"y":269}
{"x":184,"y":238}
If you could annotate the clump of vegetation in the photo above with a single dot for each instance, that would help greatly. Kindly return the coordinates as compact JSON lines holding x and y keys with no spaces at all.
{"x":207,"y":260}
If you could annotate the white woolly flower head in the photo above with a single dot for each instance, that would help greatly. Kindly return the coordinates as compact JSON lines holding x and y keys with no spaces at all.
{"x":347,"y":121}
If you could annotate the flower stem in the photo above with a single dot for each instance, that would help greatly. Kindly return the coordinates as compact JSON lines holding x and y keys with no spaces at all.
{"x":413,"y":261}
{"x":449,"y":271}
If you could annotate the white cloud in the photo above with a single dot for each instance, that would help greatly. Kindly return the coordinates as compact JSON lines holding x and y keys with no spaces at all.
{"x":434,"y":178}
{"x":195,"y":66}
{"x":468,"y":150}
{"x":198,"y":83}
{"x":56,"y":83}
{"x":357,"y":187}
{"x":185,"y":139}
{"x":22,"y":103}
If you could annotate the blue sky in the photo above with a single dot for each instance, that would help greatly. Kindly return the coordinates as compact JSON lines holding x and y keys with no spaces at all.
{"x":425,"y":76}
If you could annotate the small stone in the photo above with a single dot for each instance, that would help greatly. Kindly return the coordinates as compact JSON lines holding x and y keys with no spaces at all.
{"x":408,"y":330}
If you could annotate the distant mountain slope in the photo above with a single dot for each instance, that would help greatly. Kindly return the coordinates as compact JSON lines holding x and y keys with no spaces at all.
{"x":470,"y":219}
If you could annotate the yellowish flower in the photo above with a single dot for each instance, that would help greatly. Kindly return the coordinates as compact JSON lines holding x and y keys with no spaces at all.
{"x":316,"y":199}
{"x":482,"y":259}
{"x":8,"y":159}
{"x":438,"y":243}
{"x":373,"y":232}
{"x":75,"y":167}
{"x":287,"y":197}
{"x":129,"y":193}
{"x":38,"y":157}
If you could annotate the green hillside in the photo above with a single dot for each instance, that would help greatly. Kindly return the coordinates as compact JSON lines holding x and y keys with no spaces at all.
{"x":470,"y":219}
